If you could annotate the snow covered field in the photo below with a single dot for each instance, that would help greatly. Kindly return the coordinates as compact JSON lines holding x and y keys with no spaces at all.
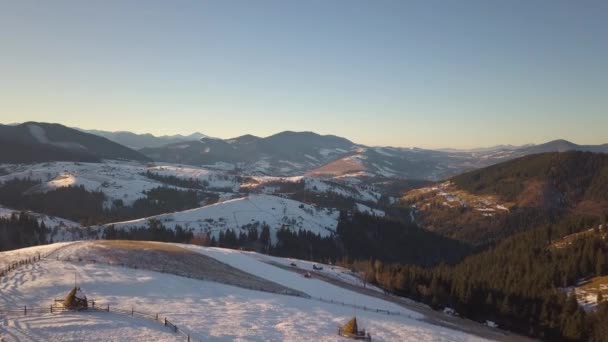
{"x":206,"y":310}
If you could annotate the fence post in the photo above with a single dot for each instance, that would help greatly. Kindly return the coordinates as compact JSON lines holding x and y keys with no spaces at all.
{"x":25,"y":310}
{"x":51,"y":308}
{"x":108,"y":307}
{"x":132,"y":311}
{"x":165,"y":321}
{"x":188,"y":337}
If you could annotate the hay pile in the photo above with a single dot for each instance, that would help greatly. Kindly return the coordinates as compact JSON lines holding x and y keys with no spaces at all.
{"x":75,"y":300}
{"x":351,"y":327}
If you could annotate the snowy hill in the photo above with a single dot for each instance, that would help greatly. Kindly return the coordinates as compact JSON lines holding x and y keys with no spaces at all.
{"x":251,"y":210}
{"x":49,"y":221}
{"x":117,"y":180}
{"x":205,"y":310}
{"x":125,"y":181}
{"x":344,"y":186}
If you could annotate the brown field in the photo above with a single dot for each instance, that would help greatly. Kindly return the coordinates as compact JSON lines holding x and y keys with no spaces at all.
{"x":142,"y":245}
{"x":338,"y":168}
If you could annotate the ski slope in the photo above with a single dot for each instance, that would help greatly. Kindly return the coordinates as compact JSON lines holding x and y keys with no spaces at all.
{"x":207,"y":311}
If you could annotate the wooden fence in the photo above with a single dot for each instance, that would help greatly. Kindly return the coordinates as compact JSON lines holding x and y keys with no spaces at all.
{"x":93,"y":306}
{"x":364,"y":308}
{"x":14,"y":265}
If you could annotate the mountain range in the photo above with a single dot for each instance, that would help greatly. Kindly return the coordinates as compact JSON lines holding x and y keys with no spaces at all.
{"x":283,"y":154}
{"x":138,"y":141}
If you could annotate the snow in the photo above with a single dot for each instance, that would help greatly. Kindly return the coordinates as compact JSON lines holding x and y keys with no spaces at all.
{"x":350,"y":191}
{"x":207,"y":311}
{"x":362,"y":208}
{"x":491,"y":324}
{"x":384,"y":171}
{"x":49,"y":221}
{"x":117,"y":180}
{"x":124,"y":181}
{"x":384,"y":151}
{"x":234,"y":214}
{"x":216,"y":179}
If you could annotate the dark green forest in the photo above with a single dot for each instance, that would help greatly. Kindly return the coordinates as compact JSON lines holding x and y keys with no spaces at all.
{"x":21,"y":230}
{"x":517,"y":283}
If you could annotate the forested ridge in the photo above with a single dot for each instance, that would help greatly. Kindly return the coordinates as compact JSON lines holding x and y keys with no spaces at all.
{"x":574,"y":175}
{"x":518,"y":283}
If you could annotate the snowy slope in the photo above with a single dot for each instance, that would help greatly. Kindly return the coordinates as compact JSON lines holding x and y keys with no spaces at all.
{"x":59,"y":229}
{"x":362,"y":208}
{"x":215,"y":179}
{"x":207,"y":311}
{"x":117,"y":180}
{"x":259,"y":264}
{"x":234,"y":214}
{"x":340,"y":186}
{"x":124,"y":181}
{"x":49,"y":221}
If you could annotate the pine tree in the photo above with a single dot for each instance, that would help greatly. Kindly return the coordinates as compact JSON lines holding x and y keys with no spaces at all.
{"x":600,"y":264}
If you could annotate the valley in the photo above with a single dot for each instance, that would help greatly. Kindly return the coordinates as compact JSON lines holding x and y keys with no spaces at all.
{"x":441,"y":238}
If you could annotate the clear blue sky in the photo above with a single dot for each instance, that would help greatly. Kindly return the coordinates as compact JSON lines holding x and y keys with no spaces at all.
{"x":402,"y":73}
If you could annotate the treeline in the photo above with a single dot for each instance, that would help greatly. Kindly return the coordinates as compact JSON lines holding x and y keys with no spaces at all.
{"x":519,"y":283}
{"x":74,"y":202}
{"x":190,"y":183}
{"x":21,"y":230}
{"x":159,"y":201}
{"x":358,"y":237}
{"x":89,"y":207}
{"x":367,"y":237}
{"x":154,"y":231}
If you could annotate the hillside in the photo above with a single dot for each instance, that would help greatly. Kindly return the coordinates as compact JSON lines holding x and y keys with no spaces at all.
{"x":550,"y":180}
{"x":37,"y":142}
{"x":251,"y":211}
{"x":203,"y":309}
{"x":488,"y":204}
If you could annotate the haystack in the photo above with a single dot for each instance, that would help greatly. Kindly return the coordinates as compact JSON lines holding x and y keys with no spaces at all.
{"x":351,"y":326}
{"x":351,"y":330}
{"x":76,"y":300}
